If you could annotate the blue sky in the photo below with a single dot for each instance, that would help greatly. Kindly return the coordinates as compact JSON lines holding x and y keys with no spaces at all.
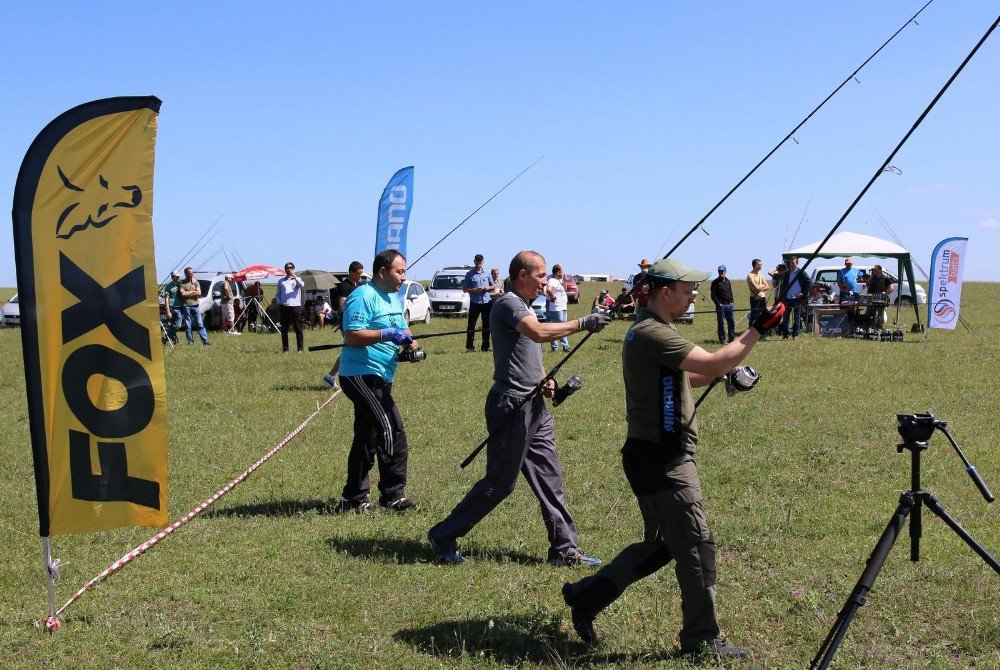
{"x":286,"y":119}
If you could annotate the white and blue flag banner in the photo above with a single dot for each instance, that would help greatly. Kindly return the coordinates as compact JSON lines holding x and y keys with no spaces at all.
{"x":394,"y":212}
{"x":945,"y":287}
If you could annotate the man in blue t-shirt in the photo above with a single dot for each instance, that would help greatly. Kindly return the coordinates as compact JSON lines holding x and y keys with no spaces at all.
{"x":847,"y":278}
{"x":479,"y":284}
{"x":373,"y":332}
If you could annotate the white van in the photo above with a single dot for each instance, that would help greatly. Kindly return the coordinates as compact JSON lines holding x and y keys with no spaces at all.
{"x":446,"y":293}
{"x":827,"y":274}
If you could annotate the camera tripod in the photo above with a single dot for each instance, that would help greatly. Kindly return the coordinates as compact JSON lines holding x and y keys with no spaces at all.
{"x":916,"y":430}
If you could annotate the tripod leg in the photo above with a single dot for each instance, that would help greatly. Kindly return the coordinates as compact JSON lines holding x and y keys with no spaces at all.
{"x":916,"y":529}
{"x":858,"y":596}
{"x":934,"y":506}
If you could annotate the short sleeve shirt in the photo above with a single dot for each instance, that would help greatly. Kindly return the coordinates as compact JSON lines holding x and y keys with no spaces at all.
{"x":193,"y":286}
{"x":290,"y":292}
{"x":475,"y":279}
{"x":849,"y":277}
{"x":658,"y":403}
{"x":368,"y":308}
{"x":517,"y":361}
{"x":172,"y":292}
{"x":879,"y":284}
{"x":559,"y":291}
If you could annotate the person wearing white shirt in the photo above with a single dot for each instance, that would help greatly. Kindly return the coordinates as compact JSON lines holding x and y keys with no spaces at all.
{"x":290,"y":307}
{"x":555,"y":306}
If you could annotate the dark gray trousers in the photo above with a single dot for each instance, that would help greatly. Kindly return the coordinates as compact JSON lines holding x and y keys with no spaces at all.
{"x":522,"y":443}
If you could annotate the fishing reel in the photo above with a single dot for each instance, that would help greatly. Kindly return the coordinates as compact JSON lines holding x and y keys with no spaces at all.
{"x":572,"y":385}
{"x":408,"y":355}
{"x":741,"y":380}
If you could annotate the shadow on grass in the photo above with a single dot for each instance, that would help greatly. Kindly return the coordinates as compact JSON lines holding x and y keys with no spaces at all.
{"x":405,"y":550}
{"x":277,"y":508}
{"x":517,"y":639}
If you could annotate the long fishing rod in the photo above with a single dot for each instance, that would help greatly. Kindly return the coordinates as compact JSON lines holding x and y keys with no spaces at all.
{"x":801,"y":219}
{"x":325,"y":347}
{"x":637,"y":285}
{"x":462,"y":222}
{"x":185,"y":258}
{"x":885,"y":164}
{"x":801,"y":123}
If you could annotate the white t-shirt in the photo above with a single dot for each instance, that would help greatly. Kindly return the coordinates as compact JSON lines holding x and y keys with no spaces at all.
{"x":559,"y":291}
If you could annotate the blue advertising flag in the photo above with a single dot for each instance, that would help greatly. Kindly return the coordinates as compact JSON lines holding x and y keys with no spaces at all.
{"x":394,"y":212}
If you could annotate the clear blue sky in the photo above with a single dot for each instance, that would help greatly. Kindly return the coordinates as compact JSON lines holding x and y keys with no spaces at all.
{"x":287,"y":119}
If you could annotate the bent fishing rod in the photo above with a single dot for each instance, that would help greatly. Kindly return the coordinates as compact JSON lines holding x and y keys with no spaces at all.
{"x":638,"y":284}
{"x":886,"y":163}
{"x":801,"y":123}
{"x":325,"y":347}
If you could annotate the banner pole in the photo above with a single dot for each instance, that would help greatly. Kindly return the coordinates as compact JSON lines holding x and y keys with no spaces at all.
{"x":52,"y":573}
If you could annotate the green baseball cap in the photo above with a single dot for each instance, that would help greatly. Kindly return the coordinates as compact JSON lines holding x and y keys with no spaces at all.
{"x":669,"y":268}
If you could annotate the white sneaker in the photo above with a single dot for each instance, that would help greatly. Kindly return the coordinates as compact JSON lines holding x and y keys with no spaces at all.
{"x":330,"y":381}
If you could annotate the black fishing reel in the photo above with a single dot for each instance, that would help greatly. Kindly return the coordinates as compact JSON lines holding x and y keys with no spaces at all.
{"x":411,"y":355}
{"x":572,"y":385}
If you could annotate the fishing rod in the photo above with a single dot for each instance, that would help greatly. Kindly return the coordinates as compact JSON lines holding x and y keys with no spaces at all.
{"x":885,"y":164}
{"x":801,"y":123}
{"x":188,"y":254}
{"x":462,"y":222}
{"x":641,"y":279}
{"x":325,"y":347}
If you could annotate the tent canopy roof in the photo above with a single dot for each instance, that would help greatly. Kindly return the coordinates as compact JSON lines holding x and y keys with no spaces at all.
{"x":852,"y":244}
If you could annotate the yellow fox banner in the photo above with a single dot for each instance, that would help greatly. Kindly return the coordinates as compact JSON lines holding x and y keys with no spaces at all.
{"x":86,"y":279}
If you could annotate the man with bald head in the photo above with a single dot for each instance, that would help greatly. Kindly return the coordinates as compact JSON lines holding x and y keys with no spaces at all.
{"x":521,"y":434}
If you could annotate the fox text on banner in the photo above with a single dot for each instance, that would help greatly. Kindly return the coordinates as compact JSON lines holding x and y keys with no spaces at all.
{"x":96,"y":391}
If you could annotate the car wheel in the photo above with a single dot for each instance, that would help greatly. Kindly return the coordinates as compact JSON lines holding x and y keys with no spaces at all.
{"x":427,"y":315}
{"x":206,"y":320}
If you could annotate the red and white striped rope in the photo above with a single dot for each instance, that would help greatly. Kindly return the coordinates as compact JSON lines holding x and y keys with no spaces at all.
{"x":142,"y":548}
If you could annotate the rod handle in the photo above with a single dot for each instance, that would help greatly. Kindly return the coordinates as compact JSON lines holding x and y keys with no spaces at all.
{"x":980,"y":484}
{"x":324,"y":347}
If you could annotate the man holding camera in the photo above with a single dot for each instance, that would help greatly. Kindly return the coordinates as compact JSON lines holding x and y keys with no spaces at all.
{"x":660,"y":367}
{"x":373,"y":330}
{"x":521,"y":434}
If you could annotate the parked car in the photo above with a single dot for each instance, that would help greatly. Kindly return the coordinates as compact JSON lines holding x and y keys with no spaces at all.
{"x":688,"y":315}
{"x":572,"y":290}
{"x":827,"y":275}
{"x":538,"y":305}
{"x":416,"y":304}
{"x":11,"y":312}
{"x":446,"y":293}
{"x":211,"y":296}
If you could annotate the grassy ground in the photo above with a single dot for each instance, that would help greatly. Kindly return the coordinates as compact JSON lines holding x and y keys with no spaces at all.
{"x":801,"y":476}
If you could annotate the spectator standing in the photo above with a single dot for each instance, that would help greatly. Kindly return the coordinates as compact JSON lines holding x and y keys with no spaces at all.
{"x":289,"y":300}
{"x":879,"y":283}
{"x":355,"y":272}
{"x":847,"y":279}
{"x":173,"y":305}
{"x":479,"y":285}
{"x":226,"y":305}
{"x":793,"y":290}
{"x":498,"y":286}
{"x":722,"y":296}
{"x":759,"y":286}
{"x":191,"y":293}
{"x":557,"y":303}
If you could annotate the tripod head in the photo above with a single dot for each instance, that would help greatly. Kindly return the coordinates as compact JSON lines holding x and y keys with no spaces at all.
{"x":916,"y":430}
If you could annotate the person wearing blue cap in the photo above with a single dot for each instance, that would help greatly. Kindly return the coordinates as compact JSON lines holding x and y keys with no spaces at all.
{"x":722,"y":296}
{"x":660,"y":367}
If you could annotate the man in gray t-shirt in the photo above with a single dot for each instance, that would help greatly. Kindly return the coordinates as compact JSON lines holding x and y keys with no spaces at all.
{"x":521,"y":434}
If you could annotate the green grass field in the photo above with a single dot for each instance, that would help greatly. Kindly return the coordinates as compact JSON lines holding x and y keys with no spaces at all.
{"x":800,"y":476}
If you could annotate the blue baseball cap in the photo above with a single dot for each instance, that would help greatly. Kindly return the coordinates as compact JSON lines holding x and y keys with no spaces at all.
{"x":722,"y":268}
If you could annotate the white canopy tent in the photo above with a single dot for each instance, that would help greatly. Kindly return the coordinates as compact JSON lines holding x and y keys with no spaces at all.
{"x":865,"y":246}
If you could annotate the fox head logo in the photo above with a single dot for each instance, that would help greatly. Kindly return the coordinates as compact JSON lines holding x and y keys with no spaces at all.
{"x":98,"y":203}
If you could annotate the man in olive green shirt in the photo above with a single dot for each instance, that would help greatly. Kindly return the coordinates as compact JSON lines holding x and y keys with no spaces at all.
{"x":660,"y":366}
